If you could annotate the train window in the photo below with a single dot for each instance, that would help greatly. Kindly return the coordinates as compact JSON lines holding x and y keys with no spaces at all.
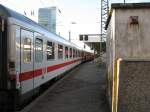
{"x":66,"y":52}
{"x":38,"y":50}
{"x":27,"y":50}
{"x":70,"y":52}
{"x":74,"y":52}
{"x":50,"y":50}
{"x":60,"y":51}
{"x":79,"y":53}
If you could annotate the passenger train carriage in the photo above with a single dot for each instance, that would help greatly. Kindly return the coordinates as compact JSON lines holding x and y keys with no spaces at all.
{"x":29,"y":57}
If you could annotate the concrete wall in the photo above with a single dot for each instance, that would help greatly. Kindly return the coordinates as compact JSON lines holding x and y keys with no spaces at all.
{"x":132,"y":40}
{"x":110,"y":52}
{"x":134,"y":86}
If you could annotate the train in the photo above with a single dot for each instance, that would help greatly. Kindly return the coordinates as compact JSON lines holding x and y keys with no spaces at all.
{"x":31,"y":56}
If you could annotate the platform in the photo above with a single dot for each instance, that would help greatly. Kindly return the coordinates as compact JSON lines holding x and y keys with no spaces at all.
{"x":81,"y":90}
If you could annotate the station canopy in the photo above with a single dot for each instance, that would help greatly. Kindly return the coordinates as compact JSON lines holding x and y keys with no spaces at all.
{"x":95,"y":41}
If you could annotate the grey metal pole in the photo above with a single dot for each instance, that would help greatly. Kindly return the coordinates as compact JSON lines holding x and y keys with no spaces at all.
{"x":69,"y":35}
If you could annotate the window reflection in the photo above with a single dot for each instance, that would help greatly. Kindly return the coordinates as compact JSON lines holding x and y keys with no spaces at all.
{"x":50,"y":50}
{"x":66,"y":52}
{"x":60,"y":51}
{"x":27,"y":50}
{"x":38,"y":50}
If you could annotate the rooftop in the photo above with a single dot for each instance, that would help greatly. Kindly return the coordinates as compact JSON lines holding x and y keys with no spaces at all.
{"x":126,"y":6}
{"x":130,"y":5}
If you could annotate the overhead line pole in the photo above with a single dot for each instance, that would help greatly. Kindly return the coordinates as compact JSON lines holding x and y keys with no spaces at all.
{"x":104,"y":16}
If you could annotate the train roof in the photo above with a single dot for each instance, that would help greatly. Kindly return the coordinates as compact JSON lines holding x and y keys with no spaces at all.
{"x":6,"y":13}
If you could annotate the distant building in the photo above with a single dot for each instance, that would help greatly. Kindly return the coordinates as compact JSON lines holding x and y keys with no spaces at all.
{"x":51,"y":18}
{"x":47,"y":18}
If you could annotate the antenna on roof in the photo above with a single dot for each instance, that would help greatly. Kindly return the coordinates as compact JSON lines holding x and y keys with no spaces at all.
{"x":32,"y":12}
{"x":25,"y":13}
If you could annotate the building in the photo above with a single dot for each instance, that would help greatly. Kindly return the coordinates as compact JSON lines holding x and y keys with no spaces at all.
{"x":47,"y":18}
{"x":52,"y":19}
{"x":128,"y":57}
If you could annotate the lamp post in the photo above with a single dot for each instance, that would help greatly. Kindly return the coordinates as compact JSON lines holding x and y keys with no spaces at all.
{"x":69,"y":35}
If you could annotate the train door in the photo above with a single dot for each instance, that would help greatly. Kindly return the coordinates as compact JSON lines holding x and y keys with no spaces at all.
{"x":27,"y":73}
{"x":39,"y":65}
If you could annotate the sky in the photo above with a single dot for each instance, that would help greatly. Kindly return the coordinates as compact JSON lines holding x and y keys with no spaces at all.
{"x":85,"y":13}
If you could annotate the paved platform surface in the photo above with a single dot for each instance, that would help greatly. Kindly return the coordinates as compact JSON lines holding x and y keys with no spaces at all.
{"x":83,"y":90}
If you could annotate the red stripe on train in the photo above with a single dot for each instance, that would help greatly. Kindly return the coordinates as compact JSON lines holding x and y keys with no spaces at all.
{"x":52,"y":68}
{"x":31,"y":74}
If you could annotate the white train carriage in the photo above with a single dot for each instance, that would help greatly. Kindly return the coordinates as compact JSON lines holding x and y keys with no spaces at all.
{"x":30,"y":56}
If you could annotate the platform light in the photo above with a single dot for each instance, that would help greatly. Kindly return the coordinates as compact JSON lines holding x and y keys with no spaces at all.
{"x":86,"y":37}
{"x":83,"y":37}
